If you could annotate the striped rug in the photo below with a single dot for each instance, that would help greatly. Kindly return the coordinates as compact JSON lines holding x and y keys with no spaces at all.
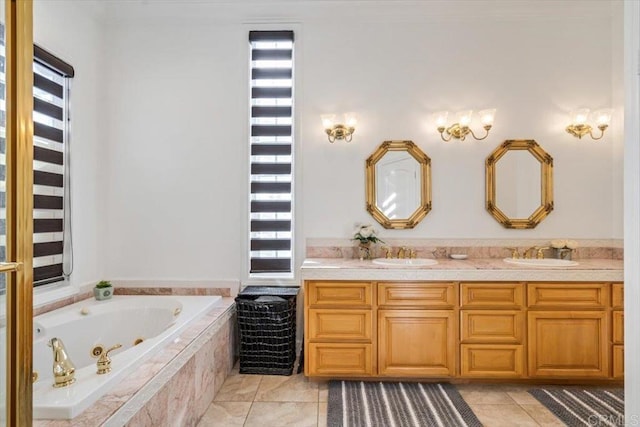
{"x":577,"y":407}
{"x":393,"y":404}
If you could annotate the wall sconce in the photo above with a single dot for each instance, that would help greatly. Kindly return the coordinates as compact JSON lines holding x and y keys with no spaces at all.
{"x":460,"y":129}
{"x":339,"y":130}
{"x":579,"y":126}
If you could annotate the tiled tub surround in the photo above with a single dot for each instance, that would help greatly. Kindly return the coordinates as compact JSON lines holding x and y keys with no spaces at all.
{"x":87,"y":292}
{"x":184,"y":376}
{"x":474,"y":248}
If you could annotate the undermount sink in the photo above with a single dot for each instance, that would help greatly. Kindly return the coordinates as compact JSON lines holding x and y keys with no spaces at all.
{"x":405,"y":262}
{"x":545,"y":262}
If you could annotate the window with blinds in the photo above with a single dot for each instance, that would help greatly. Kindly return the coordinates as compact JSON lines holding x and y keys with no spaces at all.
{"x":50,"y":117}
{"x":271,"y":151}
{"x":50,"y":89}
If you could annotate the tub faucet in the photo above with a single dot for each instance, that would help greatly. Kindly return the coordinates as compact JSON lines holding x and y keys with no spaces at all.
{"x":63,"y":369}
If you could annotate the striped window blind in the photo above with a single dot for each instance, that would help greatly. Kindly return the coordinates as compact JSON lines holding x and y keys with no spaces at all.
{"x":50,"y":83}
{"x":50,"y":89}
{"x":271,"y":151}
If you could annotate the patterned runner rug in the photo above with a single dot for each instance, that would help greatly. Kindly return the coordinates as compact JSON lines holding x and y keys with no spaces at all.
{"x":393,"y":404}
{"x":577,"y":407}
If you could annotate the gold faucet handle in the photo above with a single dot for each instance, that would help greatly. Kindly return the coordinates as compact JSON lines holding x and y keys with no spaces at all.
{"x":540,"y":254}
{"x":104,"y":361}
{"x":412,"y":253}
{"x":515,"y":254}
{"x":387,"y":252}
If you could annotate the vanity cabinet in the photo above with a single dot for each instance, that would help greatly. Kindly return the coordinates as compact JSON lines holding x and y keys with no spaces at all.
{"x":492,"y":327}
{"x":568,"y":330}
{"x":339,"y":329}
{"x":473,"y":330}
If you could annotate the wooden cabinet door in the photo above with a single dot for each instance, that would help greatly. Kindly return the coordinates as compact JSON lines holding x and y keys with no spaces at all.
{"x":569,"y":344}
{"x":416,"y":343}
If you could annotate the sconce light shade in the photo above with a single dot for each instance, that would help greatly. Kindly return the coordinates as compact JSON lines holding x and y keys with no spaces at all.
{"x":441,"y":120}
{"x":461,"y":129}
{"x":339,"y":130}
{"x":487,"y":116}
{"x":328,"y":120}
{"x":579,"y":126}
{"x":603,"y":117}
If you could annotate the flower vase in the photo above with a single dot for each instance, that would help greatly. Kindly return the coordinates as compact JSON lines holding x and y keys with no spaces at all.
{"x":365,"y":250}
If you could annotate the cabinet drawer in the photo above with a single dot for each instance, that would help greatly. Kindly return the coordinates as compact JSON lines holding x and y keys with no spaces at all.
{"x":328,"y":324}
{"x":492,"y":361}
{"x":423,"y":295}
{"x":492,"y":295}
{"x":617,"y":296}
{"x":344,"y":360}
{"x":335,"y":293}
{"x":491,"y":326}
{"x":617,"y":318}
{"x":618,"y":361}
{"x":578,"y":295}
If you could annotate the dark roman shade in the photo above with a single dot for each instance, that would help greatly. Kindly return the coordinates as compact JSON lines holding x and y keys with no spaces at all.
{"x":271,"y":151}
{"x":50,"y":88}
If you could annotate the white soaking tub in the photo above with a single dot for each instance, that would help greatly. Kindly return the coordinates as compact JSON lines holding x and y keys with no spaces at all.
{"x":152,"y":321}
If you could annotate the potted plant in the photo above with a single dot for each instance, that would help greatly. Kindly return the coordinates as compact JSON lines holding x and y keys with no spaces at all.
{"x":103,"y":290}
{"x":366,"y":236}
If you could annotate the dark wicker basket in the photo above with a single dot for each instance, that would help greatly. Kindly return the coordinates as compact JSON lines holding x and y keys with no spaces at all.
{"x":267,"y":325}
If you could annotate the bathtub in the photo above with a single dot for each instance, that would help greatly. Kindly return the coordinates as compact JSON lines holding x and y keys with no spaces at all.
{"x":142,"y":324}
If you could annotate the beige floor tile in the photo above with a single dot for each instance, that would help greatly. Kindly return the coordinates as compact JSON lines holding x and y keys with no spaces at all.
{"x":502,"y":415}
{"x":523,"y":398}
{"x":322,"y":414}
{"x":239,"y":388}
{"x":487,"y":397}
{"x":542,"y":415}
{"x":229,"y":414}
{"x":293,"y":388}
{"x":323,"y":391}
{"x":283,"y":414}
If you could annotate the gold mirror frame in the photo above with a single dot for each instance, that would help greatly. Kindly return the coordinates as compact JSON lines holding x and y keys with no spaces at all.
{"x":546,"y":183}
{"x":425,"y":184}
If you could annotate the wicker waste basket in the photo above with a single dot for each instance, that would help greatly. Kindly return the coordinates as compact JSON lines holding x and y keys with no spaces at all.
{"x":267,"y":326}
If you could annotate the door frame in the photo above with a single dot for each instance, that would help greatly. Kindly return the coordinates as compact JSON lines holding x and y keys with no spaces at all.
{"x":19,"y":211}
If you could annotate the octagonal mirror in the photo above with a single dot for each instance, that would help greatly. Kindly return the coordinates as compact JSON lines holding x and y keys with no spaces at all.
{"x":519,"y":183}
{"x":398,"y":184}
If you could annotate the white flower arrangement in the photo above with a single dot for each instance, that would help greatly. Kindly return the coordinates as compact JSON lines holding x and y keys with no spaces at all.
{"x":366,"y":233}
{"x":564,"y":244}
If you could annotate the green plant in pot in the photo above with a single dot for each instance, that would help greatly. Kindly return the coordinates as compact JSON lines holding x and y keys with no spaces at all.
{"x":103,"y":290}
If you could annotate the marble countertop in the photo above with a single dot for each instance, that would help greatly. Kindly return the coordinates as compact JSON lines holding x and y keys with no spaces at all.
{"x":493,"y":269}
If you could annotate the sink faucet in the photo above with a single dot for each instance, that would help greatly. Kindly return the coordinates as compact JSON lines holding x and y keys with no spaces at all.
{"x":63,"y":368}
{"x":401,"y":252}
{"x":526,"y":252}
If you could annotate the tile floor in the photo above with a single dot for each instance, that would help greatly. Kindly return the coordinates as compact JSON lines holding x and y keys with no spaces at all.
{"x":294,"y":401}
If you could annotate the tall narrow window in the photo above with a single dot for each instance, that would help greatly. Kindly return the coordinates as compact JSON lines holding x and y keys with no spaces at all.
{"x":50,"y":127}
{"x":50,"y":139}
{"x":271,"y":151}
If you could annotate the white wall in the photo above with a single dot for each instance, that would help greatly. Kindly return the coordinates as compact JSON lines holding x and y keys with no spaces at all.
{"x":72,"y":31}
{"x":177,"y":109}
